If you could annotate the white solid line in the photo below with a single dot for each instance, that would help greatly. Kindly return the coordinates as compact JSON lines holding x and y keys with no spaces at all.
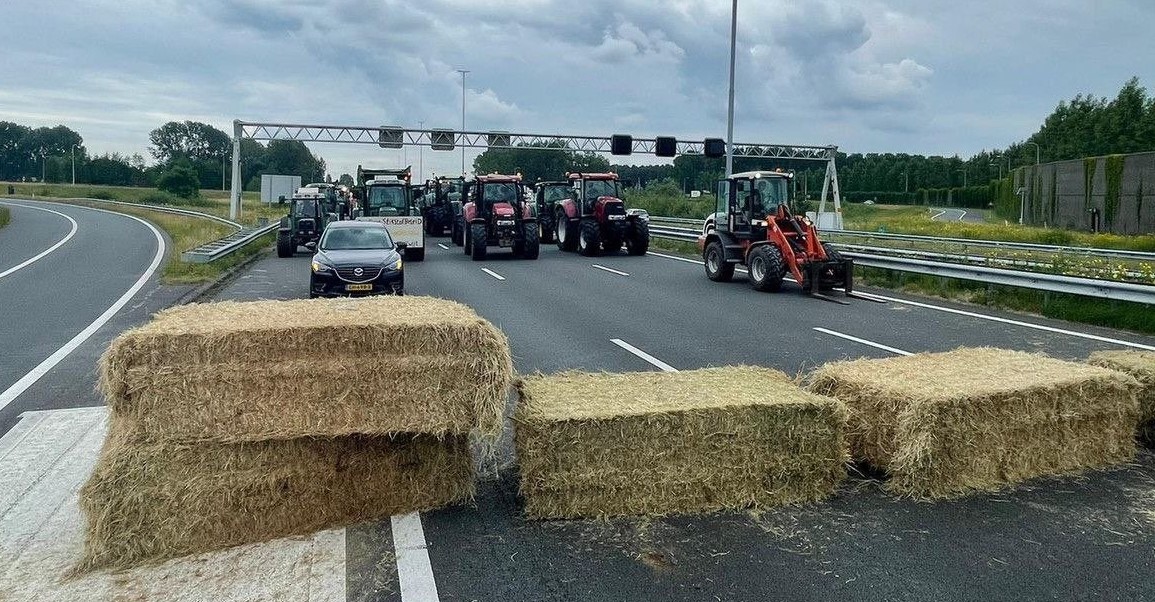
{"x":1082,"y":335}
{"x":962,"y":215}
{"x":675,"y":258}
{"x":493,"y":273}
{"x":642,"y":354}
{"x":863,"y":341}
{"x":414,"y":572}
{"x":442,"y":245}
{"x":610,"y":270}
{"x":11,"y":393}
{"x":40,"y":255}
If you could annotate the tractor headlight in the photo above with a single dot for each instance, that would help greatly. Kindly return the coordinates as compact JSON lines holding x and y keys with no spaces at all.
{"x":320,"y":268}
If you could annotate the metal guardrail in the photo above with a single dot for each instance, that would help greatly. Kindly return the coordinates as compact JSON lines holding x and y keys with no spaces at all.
{"x":225,"y":246}
{"x":1090,"y":287}
{"x":1086,"y":251}
{"x":210,"y":251}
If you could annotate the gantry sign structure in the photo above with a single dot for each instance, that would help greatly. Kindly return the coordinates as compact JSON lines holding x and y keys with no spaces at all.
{"x":448,"y":139}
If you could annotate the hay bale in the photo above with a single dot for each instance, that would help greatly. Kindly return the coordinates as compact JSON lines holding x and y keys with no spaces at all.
{"x":148,"y":501}
{"x":673,"y":443}
{"x":1141,"y":366}
{"x":255,"y":371}
{"x":944,"y":424}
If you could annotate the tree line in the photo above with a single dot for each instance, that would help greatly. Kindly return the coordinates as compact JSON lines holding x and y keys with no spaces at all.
{"x":189,"y":156}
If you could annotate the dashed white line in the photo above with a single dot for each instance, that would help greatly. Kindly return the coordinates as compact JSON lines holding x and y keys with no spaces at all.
{"x":414,"y":571}
{"x":863,"y":341}
{"x":11,"y":393}
{"x":42,"y":254}
{"x":493,"y":273}
{"x":442,"y":245}
{"x":663,"y":366}
{"x":610,"y":270}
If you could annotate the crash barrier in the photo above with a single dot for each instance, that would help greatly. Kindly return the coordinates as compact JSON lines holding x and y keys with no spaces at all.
{"x":948,"y":266}
{"x":1141,"y":366}
{"x":241,"y":422}
{"x":663,"y":443}
{"x":946,"y":424}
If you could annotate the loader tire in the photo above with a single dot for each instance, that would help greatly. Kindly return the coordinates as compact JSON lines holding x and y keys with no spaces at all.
{"x":717,"y":268}
{"x":767,"y":268}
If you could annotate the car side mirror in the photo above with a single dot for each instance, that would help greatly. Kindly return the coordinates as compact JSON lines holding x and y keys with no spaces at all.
{"x":400,"y":246}
{"x":310,"y":245}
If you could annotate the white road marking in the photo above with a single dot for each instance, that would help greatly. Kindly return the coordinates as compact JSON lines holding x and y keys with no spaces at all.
{"x":610,"y":270}
{"x":42,"y":254}
{"x":970,"y":314}
{"x":414,"y":572}
{"x":493,"y":273}
{"x":863,"y":341}
{"x":11,"y":393}
{"x":675,"y":258}
{"x":962,"y":214}
{"x":938,"y":215}
{"x":442,"y":245}
{"x":663,"y":366}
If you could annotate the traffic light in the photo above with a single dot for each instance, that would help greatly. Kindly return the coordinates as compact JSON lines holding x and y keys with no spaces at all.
{"x":665,"y":146}
{"x":714,"y":148}
{"x":621,"y":144}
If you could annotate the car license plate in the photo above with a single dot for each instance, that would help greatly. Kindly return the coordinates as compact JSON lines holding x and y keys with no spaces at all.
{"x":358,"y":287}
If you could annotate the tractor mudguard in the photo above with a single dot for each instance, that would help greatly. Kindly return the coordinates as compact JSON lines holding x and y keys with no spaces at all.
{"x":570,"y":208}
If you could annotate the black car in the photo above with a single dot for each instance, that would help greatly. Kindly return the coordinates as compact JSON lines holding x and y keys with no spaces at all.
{"x":357,"y":258}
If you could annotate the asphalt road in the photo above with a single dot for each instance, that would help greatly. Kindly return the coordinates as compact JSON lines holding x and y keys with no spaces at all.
{"x":64,"y":270}
{"x":1069,"y":539}
{"x":957,"y":215}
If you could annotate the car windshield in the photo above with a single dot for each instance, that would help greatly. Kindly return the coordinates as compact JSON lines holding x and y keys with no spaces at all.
{"x":503,"y":192}
{"x":600,"y":188}
{"x":770,"y":192}
{"x":348,"y":239}
{"x":388,"y":200}
{"x":305,"y":208}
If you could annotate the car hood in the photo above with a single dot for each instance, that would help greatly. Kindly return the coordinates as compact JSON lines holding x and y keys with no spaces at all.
{"x":357,"y":257}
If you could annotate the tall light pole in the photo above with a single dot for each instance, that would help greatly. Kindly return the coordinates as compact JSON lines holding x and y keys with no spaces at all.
{"x":964,"y":173}
{"x":1000,"y":166}
{"x":463,"y":72}
{"x":74,"y":165}
{"x":420,"y":156}
{"x":1036,"y":151}
{"x":730,"y":111}
{"x":905,"y":182}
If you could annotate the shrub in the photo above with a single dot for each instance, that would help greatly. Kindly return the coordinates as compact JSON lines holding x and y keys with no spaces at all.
{"x":180,"y":179}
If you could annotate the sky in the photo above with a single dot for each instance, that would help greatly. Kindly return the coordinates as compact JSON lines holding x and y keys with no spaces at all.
{"x":915,"y":76}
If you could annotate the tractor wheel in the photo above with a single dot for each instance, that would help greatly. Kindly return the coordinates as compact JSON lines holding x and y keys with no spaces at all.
{"x":767,"y":268}
{"x":567,"y":233}
{"x":415,"y":254}
{"x":285,"y":246}
{"x":589,"y":239}
{"x":477,"y":241}
{"x":532,"y":245}
{"x":638,"y":241}
{"x":717,"y":268}
{"x":547,"y":231}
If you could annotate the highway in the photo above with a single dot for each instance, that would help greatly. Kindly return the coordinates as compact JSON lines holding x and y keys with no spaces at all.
{"x":1088,"y":537}
{"x":71,"y":279}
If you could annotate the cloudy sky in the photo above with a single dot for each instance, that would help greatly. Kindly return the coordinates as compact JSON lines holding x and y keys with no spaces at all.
{"x":918,"y":76}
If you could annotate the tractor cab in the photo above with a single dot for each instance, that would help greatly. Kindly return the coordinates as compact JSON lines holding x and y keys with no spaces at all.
{"x":595,"y":220}
{"x":753,"y":226}
{"x":308,"y":215}
{"x":498,"y":213}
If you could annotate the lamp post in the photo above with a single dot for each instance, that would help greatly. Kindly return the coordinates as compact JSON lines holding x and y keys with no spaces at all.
{"x":964,"y":173}
{"x":905,"y":182}
{"x":420,"y":156}
{"x":463,"y":72}
{"x":730,"y":110}
{"x":74,"y":165}
{"x":1036,"y":151}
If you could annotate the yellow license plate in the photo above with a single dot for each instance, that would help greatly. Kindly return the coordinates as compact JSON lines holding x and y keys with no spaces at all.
{"x":358,"y":287}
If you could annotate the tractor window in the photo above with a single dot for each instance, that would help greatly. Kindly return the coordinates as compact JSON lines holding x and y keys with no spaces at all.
{"x":600,"y":188}
{"x":771,"y":193}
{"x":305,"y":208}
{"x":554,"y":194}
{"x":388,"y":200}
{"x":723,"y":198}
{"x":742,"y":190}
{"x":503,"y":192}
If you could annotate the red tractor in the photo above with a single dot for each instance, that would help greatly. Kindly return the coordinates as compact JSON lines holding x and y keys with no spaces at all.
{"x":753,"y":227}
{"x":593,"y":218}
{"x":498,"y":213}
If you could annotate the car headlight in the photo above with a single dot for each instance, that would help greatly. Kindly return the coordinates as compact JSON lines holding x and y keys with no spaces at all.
{"x":395,"y":266}
{"x":320,"y":268}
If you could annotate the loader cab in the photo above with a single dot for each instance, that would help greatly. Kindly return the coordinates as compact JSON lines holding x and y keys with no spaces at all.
{"x":746,"y":201}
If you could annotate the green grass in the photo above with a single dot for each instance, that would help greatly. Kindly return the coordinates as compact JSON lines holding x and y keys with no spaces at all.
{"x":186,"y":233}
{"x":215,"y":202}
{"x":5,"y":216}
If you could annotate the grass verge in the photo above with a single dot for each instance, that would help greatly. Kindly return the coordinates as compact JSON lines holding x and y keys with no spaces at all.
{"x":215,"y":202}
{"x":5,"y":216}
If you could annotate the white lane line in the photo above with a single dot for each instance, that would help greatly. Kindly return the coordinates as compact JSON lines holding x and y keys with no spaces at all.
{"x":493,"y":273}
{"x":414,"y":571}
{"x":663,"y":366}
{"x":937,"y":215}
{"x":38,"y":256}
{"x":962,"y":214}
{"x":610,"y":270}
{"x":675,"y":258}
{"x":11,"y":393}
{"x":970,"y":314}
{"x":863,"y":341}
{"x":442,"y":245}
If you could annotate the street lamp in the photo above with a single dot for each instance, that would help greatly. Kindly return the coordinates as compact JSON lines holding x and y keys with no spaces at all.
{"x":74,"y":165}
{"x":730,"y":110}
{"x":463,"y":72}
{"x":1036,"y":151}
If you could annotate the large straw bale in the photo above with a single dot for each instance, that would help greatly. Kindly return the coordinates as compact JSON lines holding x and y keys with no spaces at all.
{"x":254,"y":371}
{"x":147,"y":501}
{"x":674,"y":443}
{"x":944,"y":424}
{"x":1141,"y":365}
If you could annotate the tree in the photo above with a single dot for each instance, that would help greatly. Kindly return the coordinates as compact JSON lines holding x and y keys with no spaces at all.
{"x":548,"y":160}
{"x":293,"y":158}
{"x":191,"y":140}
{"x":179,"y":179}
{"x":345,"y":179}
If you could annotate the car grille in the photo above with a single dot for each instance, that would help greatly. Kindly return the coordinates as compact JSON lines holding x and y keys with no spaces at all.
{"x":350,"y":275}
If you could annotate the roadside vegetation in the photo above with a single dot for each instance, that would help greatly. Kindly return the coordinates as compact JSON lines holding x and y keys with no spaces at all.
{"x":5,"y":216}
{"x":214,"y":202}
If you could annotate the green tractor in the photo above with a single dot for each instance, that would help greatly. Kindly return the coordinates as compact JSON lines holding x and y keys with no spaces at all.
{"x":307,"y":218}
